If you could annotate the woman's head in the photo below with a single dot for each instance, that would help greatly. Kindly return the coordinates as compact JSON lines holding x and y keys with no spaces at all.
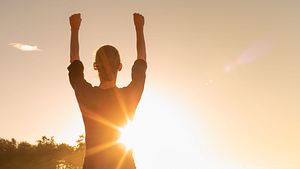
{"x":107,"y":62}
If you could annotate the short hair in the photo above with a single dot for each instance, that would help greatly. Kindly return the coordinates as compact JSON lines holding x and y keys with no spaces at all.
{"x":108,"y":61}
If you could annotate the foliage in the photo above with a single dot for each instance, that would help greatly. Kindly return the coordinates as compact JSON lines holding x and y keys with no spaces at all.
{"x":46,"y":154}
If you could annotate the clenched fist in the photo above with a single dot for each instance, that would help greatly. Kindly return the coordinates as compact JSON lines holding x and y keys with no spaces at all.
{"x":75,"y":21}
{"x":138,"y":20}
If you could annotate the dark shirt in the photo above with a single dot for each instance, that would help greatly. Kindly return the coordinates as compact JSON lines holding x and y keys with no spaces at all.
{"x":103,"y":112}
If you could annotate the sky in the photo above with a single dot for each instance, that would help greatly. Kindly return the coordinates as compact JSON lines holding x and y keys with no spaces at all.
{"x":227,"y":72}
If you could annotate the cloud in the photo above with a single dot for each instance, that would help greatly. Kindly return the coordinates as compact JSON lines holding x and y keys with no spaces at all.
{"x":24,"y":47}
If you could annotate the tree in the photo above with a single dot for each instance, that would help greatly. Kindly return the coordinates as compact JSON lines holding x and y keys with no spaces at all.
{"x":46,"y":154}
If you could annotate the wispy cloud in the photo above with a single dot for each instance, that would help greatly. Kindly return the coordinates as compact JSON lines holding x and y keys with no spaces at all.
{"x":24,"y":47}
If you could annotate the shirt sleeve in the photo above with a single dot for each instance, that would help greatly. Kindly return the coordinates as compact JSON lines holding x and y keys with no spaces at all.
{"x":76,"y":76}
{"x":138,"y":72}
{"x":136,"y":86}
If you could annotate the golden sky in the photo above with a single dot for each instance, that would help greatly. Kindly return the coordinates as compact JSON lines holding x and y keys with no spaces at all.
{"x":229,"y":68}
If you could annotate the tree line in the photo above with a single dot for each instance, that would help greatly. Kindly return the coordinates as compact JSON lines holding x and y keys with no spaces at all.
{"x":45,"y":154}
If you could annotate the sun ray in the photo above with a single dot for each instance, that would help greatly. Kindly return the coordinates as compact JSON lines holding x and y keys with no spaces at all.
{"x":100,"y":148}
{"x":101,"y":120}
{"x":120,"y":163}
{"x":122,"y":104}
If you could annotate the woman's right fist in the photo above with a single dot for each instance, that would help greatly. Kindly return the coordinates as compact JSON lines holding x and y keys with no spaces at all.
{"x":138,"y":20}
{"x":75,"y":21}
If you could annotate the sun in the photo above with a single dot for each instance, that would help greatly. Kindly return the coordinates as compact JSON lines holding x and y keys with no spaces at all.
{"x":160,"y":135}
{"x":128,"y":135}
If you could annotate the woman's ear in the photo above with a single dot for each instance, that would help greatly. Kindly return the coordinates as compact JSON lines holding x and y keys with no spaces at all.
{"x":95,"y":66}
{"x":120,"y":67}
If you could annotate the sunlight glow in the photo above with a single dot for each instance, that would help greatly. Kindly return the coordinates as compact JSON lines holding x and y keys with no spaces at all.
{"x":160,"y":135}
{"x":128,"y":136}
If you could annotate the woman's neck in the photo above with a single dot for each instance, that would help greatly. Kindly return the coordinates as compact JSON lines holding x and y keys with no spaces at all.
{"x":107,"y":84}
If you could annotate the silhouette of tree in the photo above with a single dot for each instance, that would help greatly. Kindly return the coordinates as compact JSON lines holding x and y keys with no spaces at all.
{"x":46,"y":154}
{"x":80,"y":143}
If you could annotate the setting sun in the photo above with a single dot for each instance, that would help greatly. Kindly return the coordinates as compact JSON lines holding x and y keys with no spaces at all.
{"x":161,"y":134}
{"x":128,"y":136}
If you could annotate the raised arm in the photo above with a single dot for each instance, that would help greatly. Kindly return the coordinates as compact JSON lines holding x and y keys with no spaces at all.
{"x":75,"y":21}
{"x":140,"y":40}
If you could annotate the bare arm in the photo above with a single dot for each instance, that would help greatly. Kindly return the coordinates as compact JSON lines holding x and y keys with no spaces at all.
{"x":75,"y":21}
{"x":140,"y":40}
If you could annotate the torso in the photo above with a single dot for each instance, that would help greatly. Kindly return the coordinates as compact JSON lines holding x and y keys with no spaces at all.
{"x":104,"y":111}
